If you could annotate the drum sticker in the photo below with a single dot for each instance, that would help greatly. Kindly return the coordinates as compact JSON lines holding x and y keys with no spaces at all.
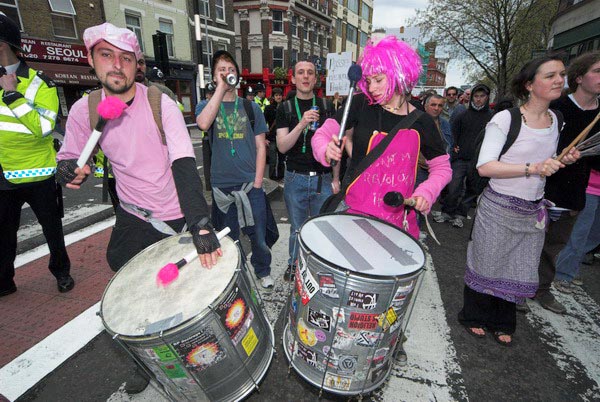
{"x":233,"y":312}
{"x":339,"y":313}
{"x":343,"y":340}
{"x":306,"y":335}
{"x":309,"y":356}
{"x":333,"y":358}
{"x":319,"y":319}
{"x":378,"y":358}
{"x":200,"y":351}
{"x":388,"y":318}
{"x":162,"y":353}
{"x":308,"y":285}
{"x":347,"y":364}
{"x":363,"y":321}
{"x":367,"y":338}
{"x":401,"y":294}
{"x":250,"y":341}
{"x":327,"y":284}
{"x":365,"y":301}
{"x":338,"y":381}
{"x":320,"y":335}
{"x":243,"y":330}
{"x":173,"y":371}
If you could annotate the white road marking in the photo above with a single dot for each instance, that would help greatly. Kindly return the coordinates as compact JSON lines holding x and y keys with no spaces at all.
{"x":71,"y":215}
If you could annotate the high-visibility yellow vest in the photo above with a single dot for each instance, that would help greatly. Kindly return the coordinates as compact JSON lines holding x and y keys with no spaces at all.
{"x":26,"y":145}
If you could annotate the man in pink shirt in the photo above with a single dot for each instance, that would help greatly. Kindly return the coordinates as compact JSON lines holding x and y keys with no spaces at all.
{"x":158,"y":184}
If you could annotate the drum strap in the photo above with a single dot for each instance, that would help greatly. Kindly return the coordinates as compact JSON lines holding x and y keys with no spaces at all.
{"x":146,"y":215}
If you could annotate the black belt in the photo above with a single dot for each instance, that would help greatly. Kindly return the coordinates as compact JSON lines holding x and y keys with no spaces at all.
{"x":312,"y":174}
{"x":307,"y":173}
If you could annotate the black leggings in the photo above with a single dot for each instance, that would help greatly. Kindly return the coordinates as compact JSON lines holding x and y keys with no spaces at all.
{"x":487,"y":311}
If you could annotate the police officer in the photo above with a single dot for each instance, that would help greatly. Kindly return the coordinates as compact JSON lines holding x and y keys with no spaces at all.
{"x":260,"y":97}
{"x":28,"y":109}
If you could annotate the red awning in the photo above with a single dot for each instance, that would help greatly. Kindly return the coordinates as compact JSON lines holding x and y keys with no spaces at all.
{"x":65,"y":74}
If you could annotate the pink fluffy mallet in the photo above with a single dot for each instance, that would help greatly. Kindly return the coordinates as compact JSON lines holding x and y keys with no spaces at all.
{"x":109,"y":108}
{"x":170,"y":272}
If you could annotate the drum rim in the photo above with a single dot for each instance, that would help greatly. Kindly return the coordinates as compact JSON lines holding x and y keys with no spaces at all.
{"x":186,"y":323}
{"x":344,"y":270}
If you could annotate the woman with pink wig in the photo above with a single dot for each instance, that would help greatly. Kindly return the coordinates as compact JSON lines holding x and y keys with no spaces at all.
{"x":391,"y":69}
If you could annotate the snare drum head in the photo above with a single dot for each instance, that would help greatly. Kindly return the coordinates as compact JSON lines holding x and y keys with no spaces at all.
{"x":134,"y":304}
{"x":362,"y":244}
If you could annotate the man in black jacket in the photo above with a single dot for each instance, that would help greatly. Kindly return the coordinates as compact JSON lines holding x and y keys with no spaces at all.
{"x":465,"y":128}
{"x":566,"y":188}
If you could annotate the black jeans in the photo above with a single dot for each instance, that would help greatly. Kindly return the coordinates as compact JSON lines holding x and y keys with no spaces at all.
{"x":131,"y":235}
{"x":42,"y":197}
{"x":486,"y":311}
{"x":461,"y":194}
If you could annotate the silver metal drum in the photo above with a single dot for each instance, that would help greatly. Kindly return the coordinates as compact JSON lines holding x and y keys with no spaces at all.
{"x":204,"y":336}
{"x":355,"y":279}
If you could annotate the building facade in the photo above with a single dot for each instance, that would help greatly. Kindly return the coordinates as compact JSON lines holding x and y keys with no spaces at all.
{"x":576,"y":27}
{"x":51,"y":33}
{"x":278,"y":34}
{"x":172,"y":18}
{"x":353,"y":25}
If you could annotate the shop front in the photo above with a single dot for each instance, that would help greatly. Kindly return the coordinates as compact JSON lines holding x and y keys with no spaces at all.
{"x":65,"y":63}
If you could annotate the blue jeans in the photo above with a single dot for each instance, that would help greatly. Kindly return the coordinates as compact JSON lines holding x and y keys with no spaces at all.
{"x":261,"y":254}
{"x":585,"y":236}
{"x":302,"y":201}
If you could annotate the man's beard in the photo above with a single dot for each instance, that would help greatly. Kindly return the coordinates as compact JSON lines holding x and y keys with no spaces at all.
{"x":117,"y":90}
{"x":140,"y":76}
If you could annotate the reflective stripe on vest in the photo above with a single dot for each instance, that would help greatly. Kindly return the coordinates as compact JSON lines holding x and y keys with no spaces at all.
{"x":5,"y":111}
{"x":46,"y":126}
{"x":47,"y":113}
{"x":19,"y":174}
{"x":32,"y":89}
{"x":22,"y":110}
{"x":14,"y":127}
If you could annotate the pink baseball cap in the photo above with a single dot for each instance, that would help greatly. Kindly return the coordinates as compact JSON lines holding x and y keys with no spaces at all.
{"x":122,"y":38}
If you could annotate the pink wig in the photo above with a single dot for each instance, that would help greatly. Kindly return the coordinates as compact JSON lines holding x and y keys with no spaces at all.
{"x":397,"y":60}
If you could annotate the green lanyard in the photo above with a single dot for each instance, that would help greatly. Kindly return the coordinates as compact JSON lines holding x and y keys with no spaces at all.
{"x":229,"y":127}
{"x":314,"y":103}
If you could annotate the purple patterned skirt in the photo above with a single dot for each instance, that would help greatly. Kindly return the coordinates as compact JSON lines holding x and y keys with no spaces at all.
{"x":507,"y":240}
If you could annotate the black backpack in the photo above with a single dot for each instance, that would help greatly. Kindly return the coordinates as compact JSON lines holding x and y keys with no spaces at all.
{"x":480,"y":183}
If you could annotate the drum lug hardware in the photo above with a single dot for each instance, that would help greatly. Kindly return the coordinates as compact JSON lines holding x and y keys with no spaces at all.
{"x":99,"y":313}
{"x":115,"y":336}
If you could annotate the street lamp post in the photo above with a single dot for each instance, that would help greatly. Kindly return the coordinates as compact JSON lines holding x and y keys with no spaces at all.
{"x":200,"y":81}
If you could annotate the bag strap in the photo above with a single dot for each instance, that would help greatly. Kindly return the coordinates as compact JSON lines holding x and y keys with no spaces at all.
{"x":376,"y":152}
{"x":155,"y":100}
{"x":513,"y":131}
{"x":249,"y":111}
{"x":94,"y":99}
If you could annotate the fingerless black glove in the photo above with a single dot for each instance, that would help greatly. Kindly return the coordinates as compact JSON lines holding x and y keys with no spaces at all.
{"x":65,"y":171}
{"x":205,"y":243}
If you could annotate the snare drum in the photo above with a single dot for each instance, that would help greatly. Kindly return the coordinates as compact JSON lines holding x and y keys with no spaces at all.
{"x":355,"y":279}
{"x":204,"y":336}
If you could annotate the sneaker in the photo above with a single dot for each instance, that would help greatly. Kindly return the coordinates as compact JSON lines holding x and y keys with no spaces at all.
{"x":548,"y":302}
{"x":267,"y":282}
{"x":400,"y":356}
{"x":422,"y":235}
{"x":436,"y":213}
{"x":288,"y":276}
{"x":443,"y":217}
{"x":563,"y":286}
{"x":457,"y":222}
{"x":523,"y":308}
{"x":138,"y":383}
{"x":578,"y":281}
{"x":65,"y":283}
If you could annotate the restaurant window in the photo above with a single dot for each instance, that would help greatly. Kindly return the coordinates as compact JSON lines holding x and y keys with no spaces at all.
{"x":11,"y":9}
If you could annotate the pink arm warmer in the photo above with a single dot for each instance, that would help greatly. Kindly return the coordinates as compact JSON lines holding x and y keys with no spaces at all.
{"x":440,"y":174}
{"x":321,"y":139}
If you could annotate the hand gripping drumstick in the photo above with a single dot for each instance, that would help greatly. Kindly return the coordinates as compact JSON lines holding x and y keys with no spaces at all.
{"x":354,"y":75}
{"x":579,"y":138}
{"x":110,"y":108}
{"x":170,"y":272}
{"x":395,"y":199}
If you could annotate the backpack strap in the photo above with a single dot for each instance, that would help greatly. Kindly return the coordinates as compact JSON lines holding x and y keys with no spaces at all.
{"x":560,"y":118}
{"x":94,"y":98}
{"x":155,"y":100}
{"x":287,"y":108}
{"x":249,"y":111}
{"x":513,"y":131}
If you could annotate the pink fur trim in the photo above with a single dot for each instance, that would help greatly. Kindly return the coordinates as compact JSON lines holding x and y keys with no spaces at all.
{"x":440,"y":174}
{"x":111,"y":107}
{"x":321,"y":139}
{"x":167,"y":274}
